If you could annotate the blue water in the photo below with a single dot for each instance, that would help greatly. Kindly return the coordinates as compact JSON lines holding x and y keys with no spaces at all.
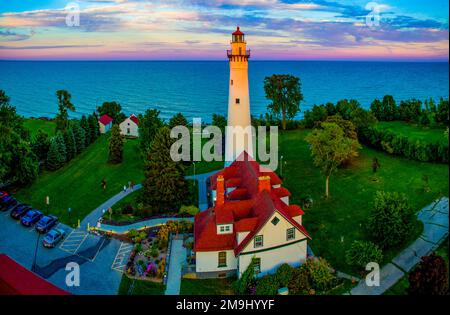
{"x":200,"y":88}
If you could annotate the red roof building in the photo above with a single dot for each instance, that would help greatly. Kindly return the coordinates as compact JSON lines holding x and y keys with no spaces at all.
{"x":105,"y":120}
{"x":248,"y":198}
{"x":17,"y":280}
{"x":134,"y":119}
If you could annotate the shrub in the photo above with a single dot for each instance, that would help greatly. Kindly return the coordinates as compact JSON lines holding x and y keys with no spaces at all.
{"x":391,"y":219}
{"x":361,"y":253}
{"x":246,"y":281}
{"x":127,"y":209}
{"x":267,"y":285}
{"x":192,"y":210}
{"x":284,"y":274}
{"x":299,"y":282}
{"x":319,"y":272}
{"x":430,"y":277}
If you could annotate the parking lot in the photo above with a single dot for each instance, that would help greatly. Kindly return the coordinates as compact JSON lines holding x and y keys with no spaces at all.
{"x":96,"y":256}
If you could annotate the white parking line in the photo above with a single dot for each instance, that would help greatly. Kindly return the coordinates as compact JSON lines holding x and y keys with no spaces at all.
{"x":123,"y":252}
{"x":73,"y":241}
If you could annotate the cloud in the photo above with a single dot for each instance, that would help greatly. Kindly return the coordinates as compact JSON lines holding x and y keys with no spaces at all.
{"x":10,"y":36}
{"x":47,"y":47}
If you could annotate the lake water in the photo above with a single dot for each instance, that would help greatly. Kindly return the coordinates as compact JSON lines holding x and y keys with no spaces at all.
{"x":200,"y":88}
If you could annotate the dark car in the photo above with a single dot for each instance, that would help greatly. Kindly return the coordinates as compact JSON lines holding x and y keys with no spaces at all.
{"x":31,"y":217}
{"x":53,"y":237}
{"x":46,"y":223}
{"x":19,"y":211}
{"x":7,"y":203}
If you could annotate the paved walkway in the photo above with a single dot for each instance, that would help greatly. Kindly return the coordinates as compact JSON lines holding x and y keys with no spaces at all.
{"x":97,"y":213}
{"x":177,"y":258}
{"x":202,"y":191}
{"x":120,"y":229}
{"x":435,"y":220}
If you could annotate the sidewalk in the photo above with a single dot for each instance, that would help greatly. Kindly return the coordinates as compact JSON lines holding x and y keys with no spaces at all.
{"x":177,"y":258}
{"x":120,"y":229}
{"x":435,"y":221}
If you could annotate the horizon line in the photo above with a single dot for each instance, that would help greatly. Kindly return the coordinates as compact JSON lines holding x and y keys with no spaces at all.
{"x":215,"y":60}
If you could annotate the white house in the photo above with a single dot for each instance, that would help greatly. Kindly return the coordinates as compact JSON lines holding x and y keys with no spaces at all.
{"x":105,"y":123}
{"x":130,"y":126}
{"x":249,"y":220}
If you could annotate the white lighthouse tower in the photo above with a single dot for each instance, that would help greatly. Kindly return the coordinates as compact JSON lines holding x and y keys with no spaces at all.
{"x":239,"y":138}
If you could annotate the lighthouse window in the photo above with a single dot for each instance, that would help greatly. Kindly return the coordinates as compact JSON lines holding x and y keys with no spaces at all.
{"x":238,"y":101}
{"x":231,"y":82}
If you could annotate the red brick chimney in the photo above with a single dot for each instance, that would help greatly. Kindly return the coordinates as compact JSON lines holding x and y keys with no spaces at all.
{"x":264,"y":183}
{"x":220,"y":191}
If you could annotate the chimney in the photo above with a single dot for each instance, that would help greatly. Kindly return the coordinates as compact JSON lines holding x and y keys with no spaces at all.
{"x":220,"y":191}
{"x":264,"y":183}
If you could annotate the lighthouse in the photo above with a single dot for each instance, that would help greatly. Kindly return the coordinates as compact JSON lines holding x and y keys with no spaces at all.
{"x":239,"y":138}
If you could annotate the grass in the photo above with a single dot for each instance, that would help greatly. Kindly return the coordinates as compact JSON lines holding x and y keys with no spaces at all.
{"x":78,"y":184}
{"x":206,"y":286}
{"x":141,"y":287}
{"x":414,"y":131}
{"x":34,"y":125}
{"x":402,"y":285}
{"x":344,"y":214}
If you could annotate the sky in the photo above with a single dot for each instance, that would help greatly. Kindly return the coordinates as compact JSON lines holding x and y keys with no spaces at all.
{"x":402,"y":30}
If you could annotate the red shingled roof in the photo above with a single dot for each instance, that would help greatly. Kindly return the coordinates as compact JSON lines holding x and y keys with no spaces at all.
{"x":238,"y":32}
{"x":105,"y":119}
{"x":249,"y":213}
{"x":134,"y":119}
{"x":16,"y":279}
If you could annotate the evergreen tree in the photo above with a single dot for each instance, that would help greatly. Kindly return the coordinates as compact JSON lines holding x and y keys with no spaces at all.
{"x":40,"y":145}
{"x":116,"y":145}
{"x":178,"y":120}
{"x":54,"y":158}
{"x":78,"y":132}
{"x":93,"y":127}
{"x":62,"y":147}
{"x":164,"y":184}
{"x":87,"y":132}
{"x":64,"y":104}
{"x":69,"y":140}
{"x":149,"y":124}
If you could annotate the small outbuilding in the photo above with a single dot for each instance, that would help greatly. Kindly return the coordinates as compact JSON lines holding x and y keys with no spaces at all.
{"x":105,"y":123}
{"x":130,"y":126}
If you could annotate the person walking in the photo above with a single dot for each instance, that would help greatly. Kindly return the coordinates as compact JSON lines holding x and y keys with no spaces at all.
{"x":124,"y":188}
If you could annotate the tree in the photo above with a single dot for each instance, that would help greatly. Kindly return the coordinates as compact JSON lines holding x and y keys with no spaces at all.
{"x":61,"y":147}
{"x":116,"y":142}
{"x":391,"y":219}
{"x":330,"y":148}
{"x":346,"y":125}
{"x":247,"y":280}
{"x":70,"y":142}
{"x":149,"y":124}
{"x":93,"y":127}
{"x":40,"y":145}
{"x":87,"y":132}
{"x":64,"y":104}
{"x":18,"y":163}
{"x":389,"y":108}
{"x":442,"y":112}
{"x":285,"y":93}
{"x":79,"y":135}
{"x":430,"y":277}
{"x":178,"y":120}
{"x":54,"y":158}
{"x":377,"y":109}
{"x":284,"y":274}
{"x":164,"y":186}
{"x":219,"y":121}
{"x":113,"y":110}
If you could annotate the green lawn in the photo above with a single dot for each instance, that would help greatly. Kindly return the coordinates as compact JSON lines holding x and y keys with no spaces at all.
{"x":345,"y":213}
{"x":34,"y":125}
{"x":141,"y":287}
{"x":206,"y":286}
{"x":78,"y":184}
{"x":413,"y":131}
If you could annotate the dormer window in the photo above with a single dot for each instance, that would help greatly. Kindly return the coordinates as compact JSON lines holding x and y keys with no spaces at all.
{"x":224,"y":228}
{"x":238,"y":101}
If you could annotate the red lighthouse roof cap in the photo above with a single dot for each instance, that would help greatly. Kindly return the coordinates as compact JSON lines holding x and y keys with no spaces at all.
{"x":238,"y":32}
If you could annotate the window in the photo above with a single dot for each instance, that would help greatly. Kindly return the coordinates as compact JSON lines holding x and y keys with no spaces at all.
{"x":222,"y":259}
{"x":227,"y":228}
{"x":290,"y":234}
{"x":275,"y":221}
{"x":240,"y":50}
{"x":258,"y":241}
{"x":238,"y":101}
{"x":222,"y":228}
{"x":231,"y":82}
{"x":257,"y":265}
{"x":128,"y":130}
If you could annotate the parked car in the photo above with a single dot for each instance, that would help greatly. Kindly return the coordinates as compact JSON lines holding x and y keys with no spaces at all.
{"x":19,"y":211}
{"x":31,"y":217}
{"x":7,"y":202}
{"x":53,"y":237}
{"x":3,"y":194}
{"x":46,"y":223}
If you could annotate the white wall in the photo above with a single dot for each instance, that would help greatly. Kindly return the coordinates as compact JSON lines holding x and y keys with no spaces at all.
{"x":103,"y":128}
{"x":275,"y":235}
{"x":208,"y":261}
{"x":129,"y":124}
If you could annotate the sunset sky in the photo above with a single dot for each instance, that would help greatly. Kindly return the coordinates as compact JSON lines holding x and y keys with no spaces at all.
{"x":200,"y":29}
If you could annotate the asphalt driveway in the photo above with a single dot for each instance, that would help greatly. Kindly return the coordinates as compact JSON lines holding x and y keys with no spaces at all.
{"x":94,"y":254}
